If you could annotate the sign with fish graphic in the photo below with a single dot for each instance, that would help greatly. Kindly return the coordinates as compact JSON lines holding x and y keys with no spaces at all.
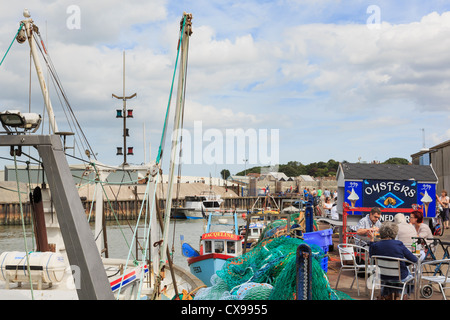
{"x":391,"y":194}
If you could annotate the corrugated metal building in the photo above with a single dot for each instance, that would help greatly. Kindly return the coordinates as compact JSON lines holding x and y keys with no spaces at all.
{"x":439,"y":158}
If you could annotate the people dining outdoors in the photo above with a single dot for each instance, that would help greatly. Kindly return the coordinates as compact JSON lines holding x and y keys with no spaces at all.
{"x":390,"y":247}
{"x":423,"y":230}
{"x":406,"y":231}
{"x":368,"y":226}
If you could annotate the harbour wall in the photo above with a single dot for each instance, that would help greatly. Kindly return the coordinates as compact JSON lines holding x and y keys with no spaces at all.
{"x":10,"y":213}
{"x":128,"y":205}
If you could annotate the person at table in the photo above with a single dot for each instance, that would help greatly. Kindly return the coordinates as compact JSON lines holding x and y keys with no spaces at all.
{"x":406,"y":231}
{"x":423,"y":230}
{"x":389,"y":247}
{"x":368,"y":225}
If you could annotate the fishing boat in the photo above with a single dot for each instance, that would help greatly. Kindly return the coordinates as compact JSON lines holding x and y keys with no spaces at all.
{"x":53,"y":279}
{"x":215,"y":248}
{"x":199,"y":207}
{"x":67,"y":263}
{"x":254,"y":229}
{"x":180,"y":212}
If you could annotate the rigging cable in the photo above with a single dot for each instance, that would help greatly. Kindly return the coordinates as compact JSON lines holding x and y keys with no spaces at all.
{"x":20,"y":28}
{"x":115,"y":194}
{"x":181,"y":143}
{"x":163,"y":136}
{"x":57,"y":83}
{"x":23,"y":225}
{"x":132,"y":241}
{"x":147,"y":239}
{"x":160,"y":153}
{"x":110,"y":204}
{"x":30,"y":194}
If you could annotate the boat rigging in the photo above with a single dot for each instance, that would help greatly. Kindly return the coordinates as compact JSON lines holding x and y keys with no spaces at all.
{"x":79,"y":241}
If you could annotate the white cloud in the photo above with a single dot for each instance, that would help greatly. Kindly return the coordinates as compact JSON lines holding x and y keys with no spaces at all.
{"x":212,"y":117}
{"x":408,"y":61}
{"x":100,"y":21}
{"x":435,"y":138}
{"x":250,"y":66}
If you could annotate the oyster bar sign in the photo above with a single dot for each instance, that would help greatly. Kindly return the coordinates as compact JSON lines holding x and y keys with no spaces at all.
{"x":391,"y":194}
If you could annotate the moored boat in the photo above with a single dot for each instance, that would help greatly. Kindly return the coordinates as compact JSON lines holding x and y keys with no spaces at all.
{"x":199,"y":207}
{"x":67,"y":262}
{"x":215,"y":248}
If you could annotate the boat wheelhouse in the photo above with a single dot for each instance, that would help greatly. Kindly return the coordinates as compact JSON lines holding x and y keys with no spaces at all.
{"x":198,"y":207}
{"x":215,"y":248}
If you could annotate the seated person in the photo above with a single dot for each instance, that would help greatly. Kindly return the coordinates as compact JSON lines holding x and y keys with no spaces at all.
{"x":406,"y":231}
{"x":390,"y":247}
{"x":368,"y":225}
{"x":423,"y":230}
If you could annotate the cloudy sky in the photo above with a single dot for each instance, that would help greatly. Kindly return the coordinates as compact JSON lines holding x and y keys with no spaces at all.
{"x":321,"y":79}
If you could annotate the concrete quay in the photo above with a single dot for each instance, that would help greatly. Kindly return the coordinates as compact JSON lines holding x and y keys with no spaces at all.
{"x":346,"y":278}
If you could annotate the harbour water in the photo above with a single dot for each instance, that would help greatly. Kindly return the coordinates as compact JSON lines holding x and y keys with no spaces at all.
{"x":119,"y":237}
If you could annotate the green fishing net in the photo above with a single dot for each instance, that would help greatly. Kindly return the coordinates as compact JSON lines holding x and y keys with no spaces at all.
{"x":268,"y":272}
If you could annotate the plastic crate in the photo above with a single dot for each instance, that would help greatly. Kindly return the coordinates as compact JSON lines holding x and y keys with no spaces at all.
{"x":324,"y":264}
{"x":322,"y":238}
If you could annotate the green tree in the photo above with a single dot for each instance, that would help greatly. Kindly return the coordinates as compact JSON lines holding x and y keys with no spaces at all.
{"x":225,"y":173}
{"x":296,"y":168}
{"x":333,"y":165}
{"x":288,"y":170}
{"x":396,"y":161}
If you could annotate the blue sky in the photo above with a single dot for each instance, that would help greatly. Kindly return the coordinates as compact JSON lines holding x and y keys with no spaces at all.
{"x":332,"y":84}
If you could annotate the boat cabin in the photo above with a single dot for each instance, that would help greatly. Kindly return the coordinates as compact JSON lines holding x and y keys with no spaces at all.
{"x":255,"y":230}
{"x":222,"y":243}
{"x":211,"y":204}
{"x":194,"y":198}
{"x":208,"y":201}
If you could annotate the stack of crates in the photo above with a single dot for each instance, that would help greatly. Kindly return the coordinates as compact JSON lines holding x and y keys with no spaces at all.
{"x":323,"y":239}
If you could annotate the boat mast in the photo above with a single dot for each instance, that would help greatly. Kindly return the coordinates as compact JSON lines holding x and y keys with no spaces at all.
{"x":30,"y":27}
{"x":92,"y":281}
{"x":124,"y":115}
{"x":186,"y":29}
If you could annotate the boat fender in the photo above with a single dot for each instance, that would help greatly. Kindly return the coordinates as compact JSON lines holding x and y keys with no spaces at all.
{"x":188,"y":251}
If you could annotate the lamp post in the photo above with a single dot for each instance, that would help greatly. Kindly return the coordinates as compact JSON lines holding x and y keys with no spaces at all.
{"x":245,"y":167}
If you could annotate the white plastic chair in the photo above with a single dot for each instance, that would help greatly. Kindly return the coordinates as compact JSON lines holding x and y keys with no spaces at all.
{"x":390,"y":266}
{"x":347,"y":254}
{"x":431,"y":267}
